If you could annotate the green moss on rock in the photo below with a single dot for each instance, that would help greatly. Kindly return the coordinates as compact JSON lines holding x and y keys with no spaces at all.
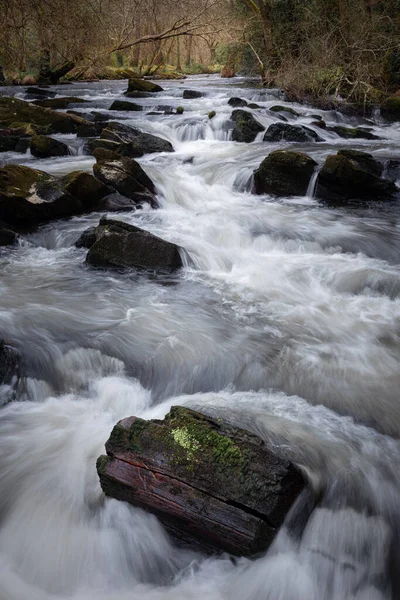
{"x":141,"y":85}
{"x":284,"y":173}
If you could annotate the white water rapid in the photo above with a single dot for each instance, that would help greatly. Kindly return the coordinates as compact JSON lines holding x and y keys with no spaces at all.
{"x":285,"y":320}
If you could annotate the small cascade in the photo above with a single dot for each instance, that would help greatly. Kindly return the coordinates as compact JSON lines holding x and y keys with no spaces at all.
{"x":312,"y":186}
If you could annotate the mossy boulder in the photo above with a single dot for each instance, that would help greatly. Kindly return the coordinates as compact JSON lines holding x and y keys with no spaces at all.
{"x":125,"y":105}
{"x":284,"y":173}
{"x":236,"y":102}
{"x":142,"y":85}
{"x":390,"y":108}
{"x":287,"y":109}
{"x":290,"y":133}
{"x":29,"y":196}
{"x":14,"y":112}
{"x":146,"y":142}
{"x":43,"y":146}
{"x":128,"y":178}
{"x":246,"y":126}
{"x":353,"y":133}
{"x":129,"y":149}
{"x":211,"y":484}
{"x":192,"y":94}
{"x":122,"y":245}
{"x":211,"y":114}
{"x":352,"y":175}
{"x":59,"y":103}
{"x":87,"y":189}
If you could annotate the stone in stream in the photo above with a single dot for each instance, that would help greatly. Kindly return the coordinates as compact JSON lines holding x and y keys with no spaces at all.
{"x":43,"y":146}
{"x":141,"y":85}
{"x":235,"y":102}
{"x":7,"y":236}
{"x":192,"y":94}
{"x":59,"y":103}
{"x":352,"y":175}
{"x":119,"y":244}
{"x":284,"y":173}
{"x":390,"y":108}
{"x":278,"y":108}
{"x":40,"y":92}
{"x":10,"y":360}
{"x":290,"y":133}
{"x":146,"y":142}
{"x":214,"y":486}
{"x":129,"y":149}
{"x":353,"y":133}
{"x":127,"y":177}
{"x":125,"y":105}
{"x":16,"y":113}
{"x":89,"y":190}
{"x":13,"y":140}
{"x":246,"y":126}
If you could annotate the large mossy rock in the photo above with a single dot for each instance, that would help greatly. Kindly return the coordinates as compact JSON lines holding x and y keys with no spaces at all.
{"x":352,"y":175}
{"x":29,"y":196}
{"x":119,"y":244}
{"x":146,"y":142}
{"x":353,"y":133}
{"x":125,"y":105}
{"x":43,"y":146}
{"x":16,"y":113}
{"x":59,"y":103}
{"x":284,"y":173}
{"x":141,"y":85}
{"x":127,"y":177}
{"x":284,"y":109}
{"x":390,"y":108}
{"x":246,"y":126}
{"x":129,"y":149}
{"x":290,"y":133}
{"x":213,"y":486}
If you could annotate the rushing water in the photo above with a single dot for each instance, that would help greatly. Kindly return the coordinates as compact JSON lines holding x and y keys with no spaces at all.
{"x":284,"y":320}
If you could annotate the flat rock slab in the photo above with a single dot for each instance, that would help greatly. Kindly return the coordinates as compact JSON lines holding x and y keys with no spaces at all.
{"x":213,"y":486}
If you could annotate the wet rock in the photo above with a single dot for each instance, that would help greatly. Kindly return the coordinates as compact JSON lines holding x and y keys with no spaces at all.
{"x":320,"y":123}
{"x":87,"y":238}
{"x":125,"y":105}
{"x":17,"y":113}
{"x":127,"y":177}
{"x":129,"y":149}
{"x":353,"y":133}
{"x":40,"y":92}
{"x":180,"y":110}
{"x":246,"y":126}
{"x":212,"y":485}
{"x":235,"y":102}
{"x":147,"y":143}
{"x":59,"y":103}
{"x":119,"y":244}
{"x":29,"y":196}
{"x":191,"y":94}
{"x":278,"y":108}
{"x":13,"y":140}
{"x":10,"y":360}
{"x":211,"y":114}
{"x":290,"y":133}
{"x":134,"y":94}
{"x":90,"y":130}
{"x":42,"y":146}
{"x":351,"y":175}
{"x":7,"y":236}
{"x":392,"y":170}
{"x":87,"y":189}
{"x":284,"y":173}
{"x":141,"y":85}
{"x":253,"y":105}
{"x":390,"y":108}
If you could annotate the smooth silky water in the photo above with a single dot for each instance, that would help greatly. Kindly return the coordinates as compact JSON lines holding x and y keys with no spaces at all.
{"x":285,"y":320}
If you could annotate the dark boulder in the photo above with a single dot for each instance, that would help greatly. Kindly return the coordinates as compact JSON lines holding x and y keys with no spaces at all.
{"x":290,"y":133}
{"x":13,"y":140}
{"x":86,"y":188}
{"x":191,"y":94}
{"x":141,"y":85}
{"x":246,"y":126}
{"x":42,"y":146}
{"x":287,"y":109}
{"x":119,"y":244}
{"x":127,"y":177}
{"x":10,"y":367}
{"x":390,"y":108}
{"x":7,"y":236}
{"x":29,"y":196}
{"x":116,"y":132}
{"x":253,"y":105}
{"x":129,"y":149}
{"x":87,"y":238}
{"x":40,"y":92}
{"x":90,"y":130}
{"x":16,"y":113}
{"x":353,"y":133}
{"x":284,"y":173}
{"x":352,"y":175}
{"x":125,"y":105}
{"x":213,"y":486}
{"x":235,"y":102}
{"x":59,"y":103}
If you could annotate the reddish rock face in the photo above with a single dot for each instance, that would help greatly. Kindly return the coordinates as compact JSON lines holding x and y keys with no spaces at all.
{"x":213,"y":486}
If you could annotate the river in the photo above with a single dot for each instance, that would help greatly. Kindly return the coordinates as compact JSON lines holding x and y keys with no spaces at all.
{"x":284,"y":320}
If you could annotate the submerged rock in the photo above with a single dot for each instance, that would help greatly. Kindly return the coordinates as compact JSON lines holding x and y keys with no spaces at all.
{"x":127,"y":177}
{"x":10,"y":364}
{"x":119,"y":244}
{"x":141,"y":85}
{"x":351,"y":175}
{"x":246,"y":126}
{"x":284,"y":173}
{"x":59,"y":103}
{"x":212,"y":485}
{"x":7,"y":236}
{"x":125,"y":105}
{"x":290,"y":133}
{"x":17,"y":113}
{"x":42,"y":146}
{"x":129,"y":149}
{"x":145,"y":142}
{"x":191,"y":94}
{"x":40,"y":92}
